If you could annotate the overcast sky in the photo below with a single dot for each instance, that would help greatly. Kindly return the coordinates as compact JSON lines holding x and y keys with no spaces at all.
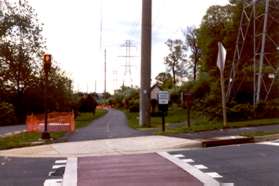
{"x":72,"y":30}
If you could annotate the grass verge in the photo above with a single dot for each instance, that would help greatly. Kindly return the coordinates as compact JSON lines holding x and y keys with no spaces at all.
{"x":26,"y":139}
{"x":258,"y":133}
{"x":176,"y":122}
{"x":34,"y":138}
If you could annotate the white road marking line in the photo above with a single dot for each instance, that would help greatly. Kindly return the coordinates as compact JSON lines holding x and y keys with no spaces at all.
{"x":179,"y":155}
{"x":188,"y":160}
{"x":53,"y":182}
{"x":200,"y":167}
{"x":214,"y":174}
{"x":50,"y":173}
{"x":227,"y":184}
{"x":60,"y":161}
{"x":204,"y":178}
{"x":58,"y":166}
{"x":70,"y":175}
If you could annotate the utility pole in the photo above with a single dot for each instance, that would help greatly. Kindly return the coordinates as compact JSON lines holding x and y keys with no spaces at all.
{"x":145,"y":62}
{"x":105,"y":66}
{"x":95,"y":86}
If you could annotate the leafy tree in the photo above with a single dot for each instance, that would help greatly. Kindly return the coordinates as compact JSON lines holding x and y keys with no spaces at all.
{"x":191,"y":35}
{"x":21,"y":46}
{"x":176,"y":59}
{"x":164,"y":80}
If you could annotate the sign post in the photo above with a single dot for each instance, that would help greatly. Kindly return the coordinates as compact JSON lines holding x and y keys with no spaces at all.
{"x":188,"y":101}
{"x":163,"y":98}
{"x":221,"y":65}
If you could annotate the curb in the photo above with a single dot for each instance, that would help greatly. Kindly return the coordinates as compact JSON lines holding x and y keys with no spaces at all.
{"x":230,"y":140}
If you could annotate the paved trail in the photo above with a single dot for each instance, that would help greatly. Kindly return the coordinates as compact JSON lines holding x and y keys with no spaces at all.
{"x":113,"y":125}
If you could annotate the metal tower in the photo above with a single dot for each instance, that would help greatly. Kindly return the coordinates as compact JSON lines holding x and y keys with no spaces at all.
{"x":262,"y":67}
{"x":127,"y":67}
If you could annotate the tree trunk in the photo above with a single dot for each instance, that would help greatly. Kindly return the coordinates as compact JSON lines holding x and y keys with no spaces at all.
{"x":173,"y":73}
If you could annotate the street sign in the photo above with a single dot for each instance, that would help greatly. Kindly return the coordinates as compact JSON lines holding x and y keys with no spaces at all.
{"x":163,"y":97}
{"x":221,"y":59}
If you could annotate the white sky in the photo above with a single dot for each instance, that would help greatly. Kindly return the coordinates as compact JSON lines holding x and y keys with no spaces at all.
{"x":72,"y":30}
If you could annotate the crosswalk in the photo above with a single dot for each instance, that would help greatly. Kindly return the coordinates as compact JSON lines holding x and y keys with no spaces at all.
{"x":55,"y":175}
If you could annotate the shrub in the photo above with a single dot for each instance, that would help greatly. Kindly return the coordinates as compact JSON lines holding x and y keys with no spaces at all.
{"x":7,"y":114}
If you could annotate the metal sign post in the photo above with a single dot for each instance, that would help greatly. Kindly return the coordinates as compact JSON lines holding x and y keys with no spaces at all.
{"x":188,"y":101}
{"x":163,"y":98}
{"x":221,"y":65}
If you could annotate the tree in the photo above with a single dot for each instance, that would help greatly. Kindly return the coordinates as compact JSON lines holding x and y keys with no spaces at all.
{"x":214,"y":28}
{"x":21,"y":46}
{"x":164,"y":80}
{"x":191,"y":35}
{"x":176,"y":59}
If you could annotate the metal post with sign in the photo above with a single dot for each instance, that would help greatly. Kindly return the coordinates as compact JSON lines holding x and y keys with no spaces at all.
{"x":163,"y":99}
{"x":221,"y":59}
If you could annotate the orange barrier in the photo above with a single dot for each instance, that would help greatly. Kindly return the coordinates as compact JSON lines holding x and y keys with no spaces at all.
{"x":103,"y":107}
{"x":57,"y":121}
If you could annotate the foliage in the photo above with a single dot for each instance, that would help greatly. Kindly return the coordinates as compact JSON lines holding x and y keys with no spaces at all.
{"x":164,"y":80}
{"x":191,"y":43}
{"x":176,"y":59}
{"x":87,"y":103}
{"x":21,"y":76}
{"x":7,"y":114}
{"x":126,"y":97}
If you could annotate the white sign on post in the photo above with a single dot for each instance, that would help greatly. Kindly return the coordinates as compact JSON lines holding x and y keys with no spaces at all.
{"x":163,"y":97}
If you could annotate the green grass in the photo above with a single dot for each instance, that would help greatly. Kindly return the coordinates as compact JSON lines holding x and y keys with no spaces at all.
{"x":84,"y":119}
{"x":258,"y":133}
{"x":259,"y":122}
{"x":25,"y":139}
{"x":176,"y":122}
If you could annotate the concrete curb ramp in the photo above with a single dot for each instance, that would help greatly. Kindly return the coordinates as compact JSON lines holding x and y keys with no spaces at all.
{"x":104,"y":147}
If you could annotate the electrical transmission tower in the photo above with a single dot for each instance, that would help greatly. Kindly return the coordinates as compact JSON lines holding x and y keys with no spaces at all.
{"x":262,"y":68}
{"x":127,"y":67}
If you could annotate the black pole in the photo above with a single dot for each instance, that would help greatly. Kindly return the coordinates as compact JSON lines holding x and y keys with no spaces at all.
{"x":45,"y":134}
{"x":163,"y":121}
{"x":188,"y":117}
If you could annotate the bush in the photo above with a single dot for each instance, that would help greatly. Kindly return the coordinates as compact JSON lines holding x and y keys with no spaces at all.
{"x":7,"y":114}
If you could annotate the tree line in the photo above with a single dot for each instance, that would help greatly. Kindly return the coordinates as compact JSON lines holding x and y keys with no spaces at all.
{"x":191,"y":63}
{"x":22,"y":46}
{"x":221,"y":24}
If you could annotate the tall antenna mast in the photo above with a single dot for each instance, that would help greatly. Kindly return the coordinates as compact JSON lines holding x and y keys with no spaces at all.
{"x":101,"y":25}
{"x":105,"y":69}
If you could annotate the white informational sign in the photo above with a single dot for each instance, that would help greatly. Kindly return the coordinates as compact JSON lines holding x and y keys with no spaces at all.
{"x":221,"y":59}
{"x":163,"y":97}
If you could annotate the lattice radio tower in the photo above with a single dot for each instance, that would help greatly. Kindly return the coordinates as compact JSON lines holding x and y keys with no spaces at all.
{"x":262,"y":67}
{"x":128,"y":67}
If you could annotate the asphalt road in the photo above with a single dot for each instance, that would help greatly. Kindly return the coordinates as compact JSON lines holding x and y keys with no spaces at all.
{"x":243,"y":165}
{"x":113,"y":125}
{"x":24,"y":171}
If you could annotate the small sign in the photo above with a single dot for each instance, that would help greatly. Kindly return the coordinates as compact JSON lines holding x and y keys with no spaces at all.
{"x":163,"y":97}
